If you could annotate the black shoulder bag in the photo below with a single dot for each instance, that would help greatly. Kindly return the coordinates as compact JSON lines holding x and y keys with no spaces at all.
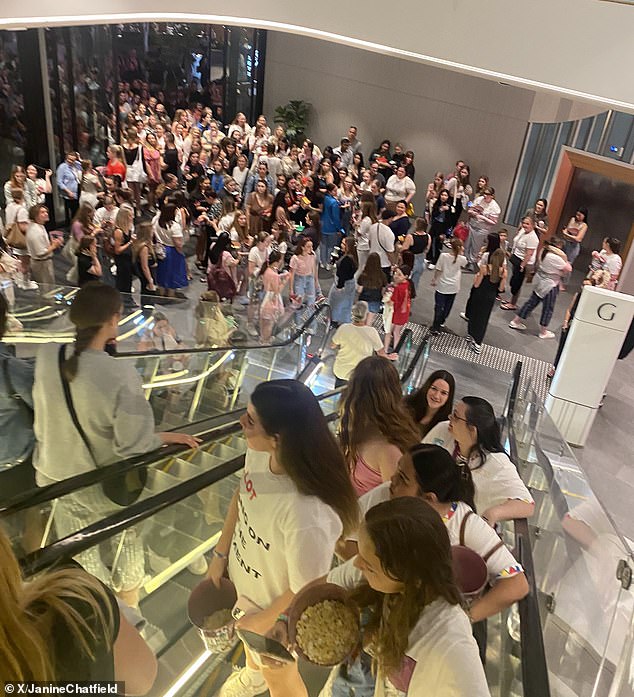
{"x":122,"y":489}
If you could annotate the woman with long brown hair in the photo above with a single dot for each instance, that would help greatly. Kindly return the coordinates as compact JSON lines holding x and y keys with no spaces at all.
{"x":368,"y":217}
{"x":19,"y":180}
{"x":293,"y":502}
{"x":372,"y":282}
{"x":144,"y":260}
{"x":375,"y":428}
{"x":343,"y":290}
{"x":433,"y":401}
{"x":65,"y":625}
{"x":122,"y":238}
{"x":421,"y":637}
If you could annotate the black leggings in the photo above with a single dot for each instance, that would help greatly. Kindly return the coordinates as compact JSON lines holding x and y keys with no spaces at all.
{"x":517,"y":279}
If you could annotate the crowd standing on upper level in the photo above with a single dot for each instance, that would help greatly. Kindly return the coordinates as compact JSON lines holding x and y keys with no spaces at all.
{"x":271,"y":220}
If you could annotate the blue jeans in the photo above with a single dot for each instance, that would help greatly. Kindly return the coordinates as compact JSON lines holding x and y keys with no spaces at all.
{"x":327,"y":244}
{"x":417,"y":269}
{"x":304,"y":286}
{"x":356,"y":679}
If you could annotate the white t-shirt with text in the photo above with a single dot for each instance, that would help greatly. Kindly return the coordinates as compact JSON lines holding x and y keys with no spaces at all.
{"x":282,"y":539}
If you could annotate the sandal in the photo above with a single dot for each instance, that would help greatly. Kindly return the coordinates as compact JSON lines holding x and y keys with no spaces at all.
{"x":508,"y":306}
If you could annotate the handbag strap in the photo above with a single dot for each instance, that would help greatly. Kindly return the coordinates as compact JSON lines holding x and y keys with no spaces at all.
{"x":69,"y":402}
{"x":463,"y":527}
{"x":378,"y":239}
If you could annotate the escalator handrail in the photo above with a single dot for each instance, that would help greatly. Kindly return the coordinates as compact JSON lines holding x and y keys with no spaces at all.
{"x":323,"y":307}
{"x":36,"y":497}
{"x":535,"y":682}
{"x":412,"y":364}
{"x":47,"y":493}
{"x":76,"y":543}
{"x":143,"y":508}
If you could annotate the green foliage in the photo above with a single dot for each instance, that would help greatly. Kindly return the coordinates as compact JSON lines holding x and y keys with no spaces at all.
{"x":294,"y":116}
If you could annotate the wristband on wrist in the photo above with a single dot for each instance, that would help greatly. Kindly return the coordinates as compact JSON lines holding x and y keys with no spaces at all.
{"x":219,"y":555}
{"x":282,"y":617}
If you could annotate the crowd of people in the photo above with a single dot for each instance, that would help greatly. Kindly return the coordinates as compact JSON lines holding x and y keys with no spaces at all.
{"x":403,"y":479}
{"x":248,"y":192}
{"x":389,"y":494}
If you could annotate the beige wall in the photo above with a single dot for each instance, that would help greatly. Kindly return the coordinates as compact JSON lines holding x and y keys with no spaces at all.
{"x":440,"y":115}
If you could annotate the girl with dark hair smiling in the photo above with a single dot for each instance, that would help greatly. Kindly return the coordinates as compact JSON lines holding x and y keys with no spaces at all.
{"x":472,"y":436}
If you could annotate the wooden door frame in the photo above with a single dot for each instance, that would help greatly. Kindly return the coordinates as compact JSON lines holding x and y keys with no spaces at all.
{"x":571,"y":159}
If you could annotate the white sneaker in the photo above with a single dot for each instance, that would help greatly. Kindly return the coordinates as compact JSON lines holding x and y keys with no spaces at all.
{"x":199,"y":566}
{"x":516,"y":325}
{"x":431,"y":266}
{"x":240,"y":684}
{"x":547,"y":335}
{"x":30,"y":285}
{"x":464,"y":316}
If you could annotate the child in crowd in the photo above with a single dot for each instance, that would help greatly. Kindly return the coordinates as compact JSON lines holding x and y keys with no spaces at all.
{"x":403,"y":292}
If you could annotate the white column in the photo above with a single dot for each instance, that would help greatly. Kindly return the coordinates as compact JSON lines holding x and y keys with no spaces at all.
{"x":595,"y":338}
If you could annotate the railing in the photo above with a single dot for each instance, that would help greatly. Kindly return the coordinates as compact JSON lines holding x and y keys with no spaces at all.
{"x":533,"y":654}
{"x":135,"y":513}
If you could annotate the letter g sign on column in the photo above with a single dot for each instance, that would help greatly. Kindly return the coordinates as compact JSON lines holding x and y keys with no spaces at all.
{"x":606,"y":314}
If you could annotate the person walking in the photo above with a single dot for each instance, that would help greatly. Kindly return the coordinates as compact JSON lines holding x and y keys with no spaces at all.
{"x":447,"y":282}
{"x":483,"y":216}
{"x":552,"y":268}
{"x":489,"y":281}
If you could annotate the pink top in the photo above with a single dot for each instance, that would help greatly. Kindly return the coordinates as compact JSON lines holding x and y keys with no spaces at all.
{"x":303,"y":265}
{"x":364,"y":478}
{"x":152,"y":164}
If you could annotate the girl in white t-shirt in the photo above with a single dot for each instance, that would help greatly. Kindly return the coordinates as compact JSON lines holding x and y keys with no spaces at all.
{"x":294,"y":501}
{"x":447,"y":282}
{"x":472,"y":436}
{"x":522,"y":258}
{"x":430,"y":473}
{"x":422,"y":641}
{"x":553,"y":267}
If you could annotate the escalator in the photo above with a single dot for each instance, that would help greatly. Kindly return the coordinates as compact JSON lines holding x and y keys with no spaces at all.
{"x":179,"y":516}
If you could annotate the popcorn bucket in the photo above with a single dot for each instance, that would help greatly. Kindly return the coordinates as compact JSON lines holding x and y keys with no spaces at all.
{"x":204,"y":600}
{"x":314,"y":595}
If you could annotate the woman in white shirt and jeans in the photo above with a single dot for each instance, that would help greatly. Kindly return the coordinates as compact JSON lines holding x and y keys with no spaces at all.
{"x":293,"y":503}
{"x":553,"y":267}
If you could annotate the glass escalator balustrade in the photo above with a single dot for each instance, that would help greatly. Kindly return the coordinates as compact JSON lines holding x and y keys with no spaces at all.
{"x":586,"y":613}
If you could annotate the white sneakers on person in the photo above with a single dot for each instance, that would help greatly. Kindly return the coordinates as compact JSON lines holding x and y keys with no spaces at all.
{"x":546,"y":334}
{"x":516,"y":325}
{"x":241,"y":683}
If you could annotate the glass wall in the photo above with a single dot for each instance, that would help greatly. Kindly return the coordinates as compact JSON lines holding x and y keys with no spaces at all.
{"x":12,"y":127}
{"x":87,"y":66}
